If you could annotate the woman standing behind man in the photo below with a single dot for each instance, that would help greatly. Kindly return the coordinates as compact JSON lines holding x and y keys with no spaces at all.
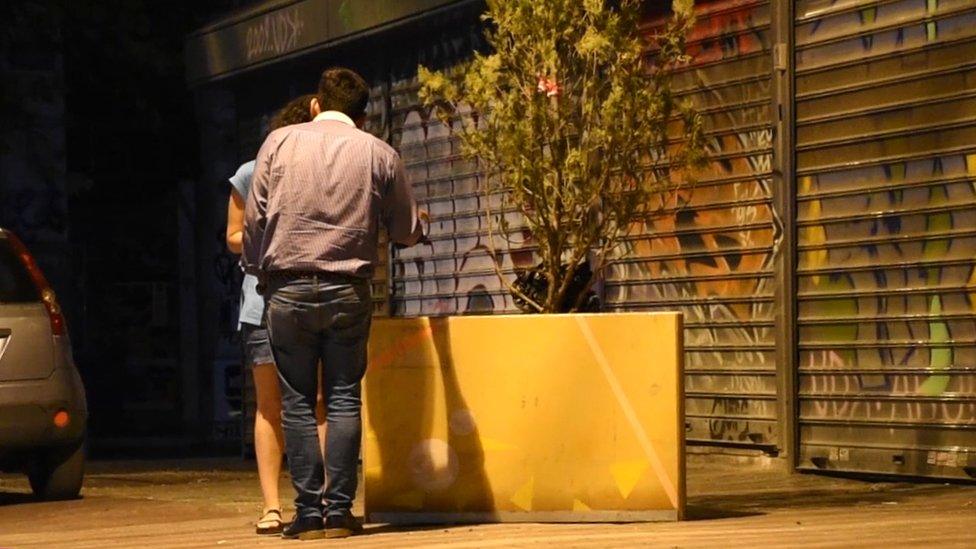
{"x":268,"y":437}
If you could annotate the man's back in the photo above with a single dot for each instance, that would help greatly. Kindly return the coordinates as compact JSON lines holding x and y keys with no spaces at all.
{"x":319,"y":191}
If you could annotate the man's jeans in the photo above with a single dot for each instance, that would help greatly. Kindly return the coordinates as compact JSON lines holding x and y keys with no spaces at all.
{"x":327,"y":318}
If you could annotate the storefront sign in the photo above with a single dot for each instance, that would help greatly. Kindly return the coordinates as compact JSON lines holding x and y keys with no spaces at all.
{"x":278,"y":29}
{"x":274,"y":34}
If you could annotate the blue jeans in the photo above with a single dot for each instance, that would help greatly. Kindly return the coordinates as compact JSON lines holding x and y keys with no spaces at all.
{"x":327,"y":318}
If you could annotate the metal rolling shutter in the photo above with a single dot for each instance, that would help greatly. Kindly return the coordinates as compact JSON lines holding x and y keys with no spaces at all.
{"x":886,"y":225}
{"x":710,"y":255}
{"x":378,"y":124}
{"x":453,"y":274}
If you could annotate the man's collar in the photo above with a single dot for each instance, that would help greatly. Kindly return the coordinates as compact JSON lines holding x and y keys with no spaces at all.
{"x":335,"y":116}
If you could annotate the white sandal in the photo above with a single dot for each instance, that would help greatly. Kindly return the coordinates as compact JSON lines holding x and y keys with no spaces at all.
{"x":270,"y":523}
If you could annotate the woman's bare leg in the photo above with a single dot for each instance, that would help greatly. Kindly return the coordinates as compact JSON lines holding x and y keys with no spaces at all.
{"x":320,"y":413}
{"x":269,"y":441}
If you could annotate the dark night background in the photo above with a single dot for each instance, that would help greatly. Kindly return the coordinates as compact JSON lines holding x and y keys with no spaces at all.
{"x":97,"y":130}
{"x":101,"y":174}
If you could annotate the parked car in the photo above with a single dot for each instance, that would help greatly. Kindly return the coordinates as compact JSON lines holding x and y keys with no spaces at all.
{"x":43,"y":411}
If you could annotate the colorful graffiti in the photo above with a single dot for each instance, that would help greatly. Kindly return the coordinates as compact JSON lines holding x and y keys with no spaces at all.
{"x":709,"y":251}
{"x":886,"y":231}
{"x":887,"y":227}
{"x":454,"y":273}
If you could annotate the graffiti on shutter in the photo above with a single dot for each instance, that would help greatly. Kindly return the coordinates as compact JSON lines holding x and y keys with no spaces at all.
{"x":709,"y":253}
{"x":886,"y":210}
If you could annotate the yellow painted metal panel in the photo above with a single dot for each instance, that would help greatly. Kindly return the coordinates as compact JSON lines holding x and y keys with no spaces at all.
{"x":535,"y":417}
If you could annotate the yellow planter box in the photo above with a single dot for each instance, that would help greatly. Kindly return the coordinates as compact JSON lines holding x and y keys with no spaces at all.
{"x":536,"y":418}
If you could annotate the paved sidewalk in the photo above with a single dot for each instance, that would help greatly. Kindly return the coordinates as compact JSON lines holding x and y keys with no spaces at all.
{"x":212,"y":503}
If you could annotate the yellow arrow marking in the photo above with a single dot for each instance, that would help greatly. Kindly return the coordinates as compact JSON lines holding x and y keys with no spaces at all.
{"x":522,"y":498}
{"x":627,"y":474}
{"x":667,"y":483}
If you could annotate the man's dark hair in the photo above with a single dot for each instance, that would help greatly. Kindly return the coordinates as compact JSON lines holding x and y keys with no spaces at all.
{"x":295,"y":111}
{"x":343,"y":90}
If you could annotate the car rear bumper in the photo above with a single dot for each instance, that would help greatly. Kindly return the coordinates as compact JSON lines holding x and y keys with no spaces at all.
{"x":28,"y":408}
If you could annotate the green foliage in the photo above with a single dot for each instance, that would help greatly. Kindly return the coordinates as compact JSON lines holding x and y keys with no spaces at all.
{"x":574,"y":120}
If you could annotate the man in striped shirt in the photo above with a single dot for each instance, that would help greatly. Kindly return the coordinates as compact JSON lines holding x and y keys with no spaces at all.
{"x":311,"y":229}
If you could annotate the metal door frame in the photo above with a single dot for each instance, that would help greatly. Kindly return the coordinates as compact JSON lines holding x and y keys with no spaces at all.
{"x":784,"y":210}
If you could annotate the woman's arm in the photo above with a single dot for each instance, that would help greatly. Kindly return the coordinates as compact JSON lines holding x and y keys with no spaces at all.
{"x":235,"y":222}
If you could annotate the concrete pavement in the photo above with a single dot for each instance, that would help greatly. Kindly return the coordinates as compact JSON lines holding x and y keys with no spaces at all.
{"x":213,"y":503}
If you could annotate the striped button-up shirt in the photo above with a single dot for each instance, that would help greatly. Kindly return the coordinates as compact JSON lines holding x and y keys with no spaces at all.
{"x":319,"y":192}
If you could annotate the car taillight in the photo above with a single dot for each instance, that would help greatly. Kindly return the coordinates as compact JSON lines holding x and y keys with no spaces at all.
{"x":44,"y":289}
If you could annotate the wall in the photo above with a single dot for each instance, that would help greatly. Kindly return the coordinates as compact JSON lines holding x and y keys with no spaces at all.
{"x":33,"y":171}
{"x":885,"y":232}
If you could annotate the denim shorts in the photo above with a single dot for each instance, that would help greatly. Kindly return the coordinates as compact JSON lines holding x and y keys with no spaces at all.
{"x":257,"y":345}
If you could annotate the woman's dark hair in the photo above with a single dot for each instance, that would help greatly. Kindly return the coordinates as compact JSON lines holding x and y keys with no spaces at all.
{"x":343,"y":90}
{"x":295,"y":111}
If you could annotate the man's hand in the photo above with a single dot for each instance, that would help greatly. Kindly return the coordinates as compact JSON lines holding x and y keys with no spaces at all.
{"x":425,"y":224}
{"x":424,"y":218}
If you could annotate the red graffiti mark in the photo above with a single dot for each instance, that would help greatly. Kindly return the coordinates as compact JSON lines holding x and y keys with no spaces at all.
{"x":410,"y":341}
{"x":724,"y":29}
{"x":726,"y":34}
